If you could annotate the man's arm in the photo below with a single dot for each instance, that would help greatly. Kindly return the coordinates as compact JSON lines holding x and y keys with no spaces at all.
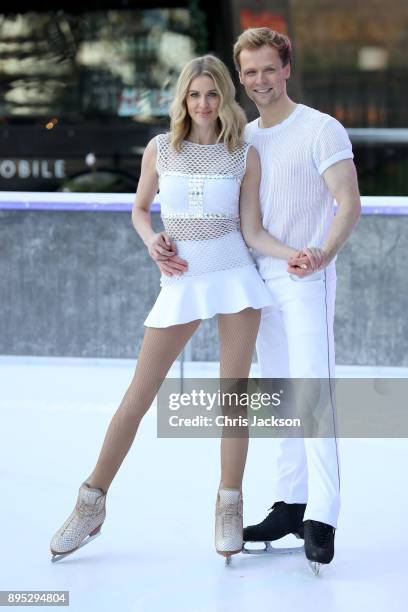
{"x":341,"y":180}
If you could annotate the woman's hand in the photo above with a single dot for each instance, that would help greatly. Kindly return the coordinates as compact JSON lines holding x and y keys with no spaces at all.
{"x":316,"y":257}
{"x":298,"y":260}
{"x":307,"y":261}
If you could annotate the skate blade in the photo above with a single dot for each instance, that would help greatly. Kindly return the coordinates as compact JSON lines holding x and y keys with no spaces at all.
{"x":315,"y":567}
{"x":272,"y":550}
{"x":58,"y":556}
{"x":228,"y":555}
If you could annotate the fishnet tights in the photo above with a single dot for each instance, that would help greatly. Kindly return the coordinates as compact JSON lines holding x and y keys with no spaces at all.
{"x":160,"y":348}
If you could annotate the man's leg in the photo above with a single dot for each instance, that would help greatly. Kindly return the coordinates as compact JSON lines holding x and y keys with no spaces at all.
{"x":290,"y":475}
{"x":308,"y":312}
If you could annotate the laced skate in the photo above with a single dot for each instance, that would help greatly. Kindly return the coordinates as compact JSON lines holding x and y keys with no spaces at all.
{"x":228,"y":523}
{"x":284,"y":519}
{"x":319,"y":544}
{"x":82,"y":526}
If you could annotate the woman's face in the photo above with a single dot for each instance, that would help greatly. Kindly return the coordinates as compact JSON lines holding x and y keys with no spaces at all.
{"x":203,"y":101}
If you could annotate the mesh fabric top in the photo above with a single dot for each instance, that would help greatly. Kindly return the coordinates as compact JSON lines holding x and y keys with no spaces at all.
{"x":200,"y":159}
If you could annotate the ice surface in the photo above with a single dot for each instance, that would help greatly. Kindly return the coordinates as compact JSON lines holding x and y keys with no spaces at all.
{"x":156,"y":550}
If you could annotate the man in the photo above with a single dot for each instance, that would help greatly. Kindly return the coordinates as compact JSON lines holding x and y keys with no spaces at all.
{"x":306,"y":160}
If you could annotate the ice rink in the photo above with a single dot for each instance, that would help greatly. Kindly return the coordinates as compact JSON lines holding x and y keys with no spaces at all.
{"x":156,"y":550}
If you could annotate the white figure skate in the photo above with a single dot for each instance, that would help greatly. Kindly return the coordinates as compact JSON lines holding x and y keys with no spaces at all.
{"x":228,"y":523}
{"x":82,"y":526}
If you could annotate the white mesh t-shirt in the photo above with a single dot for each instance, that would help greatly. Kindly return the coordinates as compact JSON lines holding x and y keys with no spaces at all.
{"x":297,"y":207}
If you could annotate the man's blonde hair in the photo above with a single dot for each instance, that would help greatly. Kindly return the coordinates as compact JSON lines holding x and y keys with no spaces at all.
{"x":231,"y":117}
{"x":254,"y":38}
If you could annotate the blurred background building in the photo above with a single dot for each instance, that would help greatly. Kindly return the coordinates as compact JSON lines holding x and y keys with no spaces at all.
{"x":84,"y":86}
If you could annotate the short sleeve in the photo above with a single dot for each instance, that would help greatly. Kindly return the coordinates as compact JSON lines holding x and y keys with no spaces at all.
{"x":332,"y":144}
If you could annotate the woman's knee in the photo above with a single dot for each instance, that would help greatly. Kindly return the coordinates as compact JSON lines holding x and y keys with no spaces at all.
{"x":138,"y":399}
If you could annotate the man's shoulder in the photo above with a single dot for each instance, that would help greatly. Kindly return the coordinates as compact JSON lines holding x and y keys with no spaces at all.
{"x":250,"y":127}
{"x":317,"y":117}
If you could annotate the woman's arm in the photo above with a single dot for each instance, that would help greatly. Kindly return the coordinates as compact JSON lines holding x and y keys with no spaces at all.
{"x":159,"y":245}
{"x":146,"y":190}
{"x":251,"y":223}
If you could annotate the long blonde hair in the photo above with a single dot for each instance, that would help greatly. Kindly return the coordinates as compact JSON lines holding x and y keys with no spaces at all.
{"x":231,"y":117}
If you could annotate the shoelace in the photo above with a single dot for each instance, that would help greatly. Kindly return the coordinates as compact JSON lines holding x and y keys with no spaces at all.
{"x":232,"y":509}
{"x":229,"y":514}
{"x":277,"y":506}
{"x":87,"y":509}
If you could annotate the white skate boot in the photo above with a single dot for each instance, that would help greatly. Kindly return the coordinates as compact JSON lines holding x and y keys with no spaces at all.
{"x":83,"y":525}
{"x":228,"y":523}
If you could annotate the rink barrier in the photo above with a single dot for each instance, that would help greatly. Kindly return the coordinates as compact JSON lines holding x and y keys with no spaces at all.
{"x":123,"y":202}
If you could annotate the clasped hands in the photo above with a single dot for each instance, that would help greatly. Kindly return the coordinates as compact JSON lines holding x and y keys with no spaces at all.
{"x":307,"y":260}
{"x":164,"y":252}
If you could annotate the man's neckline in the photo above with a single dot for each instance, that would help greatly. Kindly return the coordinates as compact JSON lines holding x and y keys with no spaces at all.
{"x":282,"y":123}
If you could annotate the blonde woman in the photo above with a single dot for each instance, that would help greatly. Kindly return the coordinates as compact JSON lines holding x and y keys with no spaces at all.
{"x":209,"y":182}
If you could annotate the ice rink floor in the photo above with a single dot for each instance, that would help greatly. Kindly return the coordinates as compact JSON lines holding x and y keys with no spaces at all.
{"x":156,"y":550}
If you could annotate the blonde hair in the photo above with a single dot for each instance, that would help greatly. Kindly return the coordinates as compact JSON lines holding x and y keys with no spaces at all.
{"x":231,"y":118}
{"x":254,"y":38}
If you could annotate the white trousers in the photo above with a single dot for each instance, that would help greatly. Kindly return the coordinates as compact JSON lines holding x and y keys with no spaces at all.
{"x":296,"y":340}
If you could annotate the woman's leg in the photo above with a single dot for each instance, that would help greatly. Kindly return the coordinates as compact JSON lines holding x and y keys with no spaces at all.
{"x":238,"y":333}
{"x":159,"y":350}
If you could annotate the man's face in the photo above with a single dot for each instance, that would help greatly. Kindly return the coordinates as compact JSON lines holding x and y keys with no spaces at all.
{"x":263,"y":75}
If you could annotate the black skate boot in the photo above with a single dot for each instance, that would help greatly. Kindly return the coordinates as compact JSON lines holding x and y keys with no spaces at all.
{"x":319,"y":543}
{"x":282,"y":520}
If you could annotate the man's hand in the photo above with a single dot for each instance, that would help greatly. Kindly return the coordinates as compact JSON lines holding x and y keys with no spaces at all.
{"x":164,"y":252}
{"x":314,"y":258}
{"x":173,"y":265}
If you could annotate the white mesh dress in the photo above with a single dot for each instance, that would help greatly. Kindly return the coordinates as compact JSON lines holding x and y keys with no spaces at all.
{"x":199,"y":198}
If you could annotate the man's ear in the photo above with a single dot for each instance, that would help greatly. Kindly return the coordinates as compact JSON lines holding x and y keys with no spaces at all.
{"x":287,"y":71}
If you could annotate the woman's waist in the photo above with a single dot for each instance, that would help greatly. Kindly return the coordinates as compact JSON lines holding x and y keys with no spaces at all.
{"x":211,"y":254}
{"x":190,"y":228}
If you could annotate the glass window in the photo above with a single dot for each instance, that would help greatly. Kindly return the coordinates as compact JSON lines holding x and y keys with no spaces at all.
{"x":114,"y":63}
{"x":351,"y":58}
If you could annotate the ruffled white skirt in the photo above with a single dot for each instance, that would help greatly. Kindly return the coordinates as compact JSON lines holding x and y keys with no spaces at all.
{"x":203,"y":296}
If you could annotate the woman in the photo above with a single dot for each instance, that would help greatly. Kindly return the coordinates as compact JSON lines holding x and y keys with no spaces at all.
{"x":206,"y":175}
